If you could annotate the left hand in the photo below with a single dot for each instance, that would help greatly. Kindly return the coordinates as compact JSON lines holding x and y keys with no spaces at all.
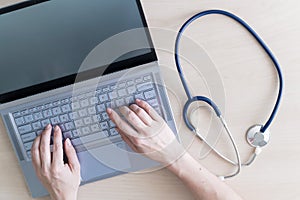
{"x":61,"y":180}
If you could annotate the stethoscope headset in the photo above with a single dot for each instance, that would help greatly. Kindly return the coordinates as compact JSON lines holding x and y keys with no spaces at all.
{"x":257,"y":135}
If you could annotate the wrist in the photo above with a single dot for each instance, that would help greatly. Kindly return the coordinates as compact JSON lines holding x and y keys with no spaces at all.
{"x":65,"y":196}
{"x":181,"y":163}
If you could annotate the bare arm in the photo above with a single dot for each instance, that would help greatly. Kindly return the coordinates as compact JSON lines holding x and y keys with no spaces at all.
{"x":201,"y":182}
{"x":148,"y":134}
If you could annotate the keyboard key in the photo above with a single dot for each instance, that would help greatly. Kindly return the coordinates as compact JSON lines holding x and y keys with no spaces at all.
{"x":40,"y":107}
{"x":147,"y":78}
{"x":150,"y":94}
{"x":131,"y":90}
{"x":66,"y":108}
{"x":73,"y":115}
{"x":36,"y":125}
{"x":95,"y":128}
{"x":122,"y":85}
{"x":139,"y":96}
{"x":31,"y":110}
{"x":64,"y":118}
{"x":113,"y":132}
{"x":129,"y":100}
{"x":48,"y":105}
{"x":25,"y":129}
{"x":113,"y":95}
{"x":20,"y":121}
{"x":65,"y":101}
{"x":103,"y":98}
{"x":103,"y":125}
{"x":68,"y":134}
{"x":111,"y":104}
{"x":101,"y":108}
{"x":105,"y":116}
{"x":138,"y":80}
{"x":78,"y":123}
{"x":144,"y":86}
{"x":84,"y":103}
{"x":120,"y":102}
{"x":106,"y":89}
{"x":83,"y":113}
{"x":45,"y":122}
{"x":28,"y":118}
{"x":87,"y":120}
{"x":28,"y":137}
{"x":130,"y":82}
{"x":47,"y":113}
{"x":17,"y":114}
{"x":122,"y":93}
{"x":62,"y":127}
{"x":24,"y":112}
{"x":75,"y":105}
{"x":38,"y":116}
{"x":86,"y":130}
{"x":113,"y":87}
{"x":56,"y":111}
{"x":69,"y":126}
{"x":55,"y":120}
{"x":28,"y":145}
{"x":92,"y":110}
{"x":94,"y":100}
{"x":56,"y":103}
{"x":96,"y":118}
{"x":76,"y":133}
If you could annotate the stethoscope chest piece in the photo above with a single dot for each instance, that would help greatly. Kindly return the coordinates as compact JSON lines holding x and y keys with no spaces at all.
{"x":256,"y":138}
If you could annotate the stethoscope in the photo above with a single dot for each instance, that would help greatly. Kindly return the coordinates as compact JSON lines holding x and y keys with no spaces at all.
{"x":257,"y":135}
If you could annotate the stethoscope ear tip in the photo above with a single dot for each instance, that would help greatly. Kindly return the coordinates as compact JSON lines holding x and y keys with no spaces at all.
{"x":256,"y":138}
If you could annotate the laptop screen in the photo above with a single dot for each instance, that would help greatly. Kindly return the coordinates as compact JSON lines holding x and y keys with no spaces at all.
{"x":43,"y":45}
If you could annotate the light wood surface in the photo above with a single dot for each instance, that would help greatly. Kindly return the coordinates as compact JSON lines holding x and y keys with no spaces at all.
{"x":250,"y":87}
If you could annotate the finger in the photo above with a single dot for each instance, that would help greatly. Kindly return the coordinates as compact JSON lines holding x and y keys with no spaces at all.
{"x":120,"y":123}
{"x":127,"y":140}
{"x":141,"y":113}
{"x":35,"y":153}
{"x":73,"y":161}
{"x":45,"y":155}
{"x":132,"y":118}
{"x":153,"y":114}
{"x":58,"y":155}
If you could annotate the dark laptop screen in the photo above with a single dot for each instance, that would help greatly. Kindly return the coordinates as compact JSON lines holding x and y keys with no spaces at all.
{"x":42,"y":46}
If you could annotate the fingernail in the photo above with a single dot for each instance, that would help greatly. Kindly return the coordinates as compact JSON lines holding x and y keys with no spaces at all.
{"x":48,"y":126}
{"x":68,"y":142}
{"x":56,"y":128}
{"x":138,"y":100}
{"x":109,"y":111}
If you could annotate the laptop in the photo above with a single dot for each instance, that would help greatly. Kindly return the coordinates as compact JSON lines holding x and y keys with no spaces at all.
{"x":58,"y":66}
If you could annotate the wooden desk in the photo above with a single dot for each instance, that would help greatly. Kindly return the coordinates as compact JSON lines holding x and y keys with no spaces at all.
{"x":250,"y":87}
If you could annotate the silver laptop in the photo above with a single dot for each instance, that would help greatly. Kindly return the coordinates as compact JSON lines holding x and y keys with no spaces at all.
{"x":52,"y":70}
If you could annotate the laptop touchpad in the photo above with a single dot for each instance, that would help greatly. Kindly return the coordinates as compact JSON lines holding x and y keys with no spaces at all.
{"x":101,"y":162}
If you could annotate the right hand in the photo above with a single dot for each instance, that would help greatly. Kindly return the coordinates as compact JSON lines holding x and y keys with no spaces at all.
{"x":148,"y":134}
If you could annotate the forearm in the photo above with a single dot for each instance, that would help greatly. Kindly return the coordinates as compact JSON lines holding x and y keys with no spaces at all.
{"x":201,"y":182}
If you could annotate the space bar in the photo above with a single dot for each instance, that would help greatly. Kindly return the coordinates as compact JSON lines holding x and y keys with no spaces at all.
{"x":89,"y":138}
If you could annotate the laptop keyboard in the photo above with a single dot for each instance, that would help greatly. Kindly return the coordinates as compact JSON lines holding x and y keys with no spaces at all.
{"x":83,"y":117}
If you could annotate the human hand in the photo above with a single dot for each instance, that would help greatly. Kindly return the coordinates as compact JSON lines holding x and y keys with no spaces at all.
{"x":148,"y":134}
{"x":61,"y":180}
